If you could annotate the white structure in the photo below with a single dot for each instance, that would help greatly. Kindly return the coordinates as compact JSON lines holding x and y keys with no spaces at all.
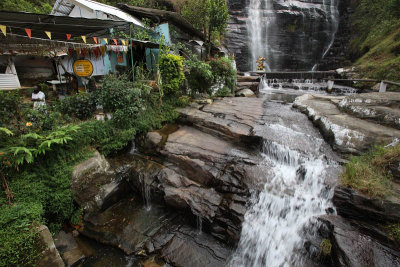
{"x":9,"y":79}
{"x":91,"y":10}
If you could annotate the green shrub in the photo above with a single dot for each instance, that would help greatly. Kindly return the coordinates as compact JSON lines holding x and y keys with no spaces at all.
{"x":117,"y":92}
{"x":81,"y":106}
{"x":171,"y":72}
{"x":43,"y":119}
{"x":224,"y":72}
{"x":199,"y":76}
{"x":224,"y":91}
{"x":10,"y":109}
{"x":183,"y":101}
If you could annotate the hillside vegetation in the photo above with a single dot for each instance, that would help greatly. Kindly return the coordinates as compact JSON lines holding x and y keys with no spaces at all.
{"x":376,"y":41}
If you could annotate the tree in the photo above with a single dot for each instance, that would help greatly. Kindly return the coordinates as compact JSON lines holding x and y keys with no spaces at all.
{"x":209,"y":16}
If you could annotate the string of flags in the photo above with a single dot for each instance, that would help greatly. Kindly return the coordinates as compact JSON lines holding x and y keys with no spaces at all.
{"x":96,"y":40}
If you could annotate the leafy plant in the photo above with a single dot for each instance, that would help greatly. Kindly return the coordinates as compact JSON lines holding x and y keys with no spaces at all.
{"x":81,"y":106}
{"x":171,"y":72}
{"x":199,"y":76}
{"x":224,"y":72}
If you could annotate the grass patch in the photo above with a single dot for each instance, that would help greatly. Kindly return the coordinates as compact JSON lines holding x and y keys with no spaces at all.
{"x":326,"y":247}
{"x":370,"y":173}
{"x":393,"y":231}
{"x":376,"y":42}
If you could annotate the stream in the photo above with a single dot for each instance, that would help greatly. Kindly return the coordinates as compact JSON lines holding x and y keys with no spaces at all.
{"x":295,"y":193}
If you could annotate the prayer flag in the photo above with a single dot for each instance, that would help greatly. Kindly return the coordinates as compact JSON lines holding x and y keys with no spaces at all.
{"x":115,"y":41}
{"x":68,"y":36}
{"x":48,"y":34}
{"x":95,"y":39}
{"x":84,"y":38}
{"x":29,"y":33}
{"x":3,"y":29}
{"x":105,"y":40}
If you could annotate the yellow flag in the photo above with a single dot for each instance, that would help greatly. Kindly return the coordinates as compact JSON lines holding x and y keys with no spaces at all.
{"x":84,"y":38}
{"x":105,"y":40}
{"x":48,"y":34}
{"x":123,"y":42}
{"x":3,"y":29}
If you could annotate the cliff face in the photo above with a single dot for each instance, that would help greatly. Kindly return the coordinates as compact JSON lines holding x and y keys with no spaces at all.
{"x":293,"y":35}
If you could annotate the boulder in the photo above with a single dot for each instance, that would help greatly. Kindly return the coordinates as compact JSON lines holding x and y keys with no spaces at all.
{"x":50,"y":256}
{"x":95,"y":185}
{"x":68,"y":248}
{"x":245,"y":93}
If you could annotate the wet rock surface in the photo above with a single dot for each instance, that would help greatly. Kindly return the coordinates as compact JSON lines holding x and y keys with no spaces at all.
{"x":348,"y":132}
{"x":300,"y":34}
{"x":140,"y":231}
{"x":357,"y":244}
{"x":95,"y":185}
{"x":354,"y":205}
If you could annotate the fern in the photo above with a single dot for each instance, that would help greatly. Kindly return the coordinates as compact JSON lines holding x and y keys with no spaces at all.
{"x":6,"y":131}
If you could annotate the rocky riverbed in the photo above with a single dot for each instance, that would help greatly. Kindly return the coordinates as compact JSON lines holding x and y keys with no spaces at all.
{"x":182,"y":196}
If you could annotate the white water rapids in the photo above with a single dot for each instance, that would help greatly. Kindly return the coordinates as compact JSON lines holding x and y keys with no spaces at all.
{"x":292,"y":197}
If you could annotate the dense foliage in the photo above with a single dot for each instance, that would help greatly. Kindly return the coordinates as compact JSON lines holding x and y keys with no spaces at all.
{"x":38,"y":149}
{"x":171,"y":72}
{"x":376,"y":41}
{"x":209,"y":16}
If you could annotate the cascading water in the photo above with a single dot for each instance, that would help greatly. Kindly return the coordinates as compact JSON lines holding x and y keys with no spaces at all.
{"x":273,"y":225}
{"x":261,"y":16}
{"x":291,"y":34}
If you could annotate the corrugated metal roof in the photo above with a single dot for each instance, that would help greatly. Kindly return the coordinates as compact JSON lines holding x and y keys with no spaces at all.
{"x":64,"y":8}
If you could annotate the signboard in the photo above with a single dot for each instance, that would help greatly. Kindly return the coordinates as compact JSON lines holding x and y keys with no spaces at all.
{"x":83,"y":68}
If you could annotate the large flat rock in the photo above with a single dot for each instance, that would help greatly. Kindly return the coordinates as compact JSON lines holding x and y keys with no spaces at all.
{"x":346,"y":133}
{"x":381,"y":108}
{"x":231,"y":118}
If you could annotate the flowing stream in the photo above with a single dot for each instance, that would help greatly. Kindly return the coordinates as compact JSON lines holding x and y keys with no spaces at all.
{"x":274,"y":227}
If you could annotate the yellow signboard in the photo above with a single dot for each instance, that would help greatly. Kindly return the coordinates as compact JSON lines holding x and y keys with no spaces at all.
{"x":83,"y":68}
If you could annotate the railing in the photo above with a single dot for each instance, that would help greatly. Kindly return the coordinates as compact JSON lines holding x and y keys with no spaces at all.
{"x":382,"y":86}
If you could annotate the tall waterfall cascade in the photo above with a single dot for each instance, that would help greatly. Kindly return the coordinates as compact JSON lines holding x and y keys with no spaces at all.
{"x":291,"y":34}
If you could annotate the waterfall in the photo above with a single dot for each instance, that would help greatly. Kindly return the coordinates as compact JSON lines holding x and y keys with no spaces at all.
{"x":260,"y":17}
{"x":199,"y":224}
{"x":291,"y":34}
{"x":332,"y":10}
{"x":273,"y":225}
{"x":146,"y":195}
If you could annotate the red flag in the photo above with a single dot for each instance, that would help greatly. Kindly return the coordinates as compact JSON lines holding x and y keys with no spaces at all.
{"x":115,"y":41}
{"x":29,"y":33}
{"x":68,"y":36}
{"x":95,"y":39}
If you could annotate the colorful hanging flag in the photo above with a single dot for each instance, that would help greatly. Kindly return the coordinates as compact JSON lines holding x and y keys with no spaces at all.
{"x":105,"y":40}
{"x":115,"y":41}
{"x":84,"y":38}
{"x":95,"y":39}
{"x":29,"y":33}
{"x":102,"y":50}
{"x":68,"y":36}
{"x":3,"y":29}
{"x":48,"y":34}
{"x":123,"y":42}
